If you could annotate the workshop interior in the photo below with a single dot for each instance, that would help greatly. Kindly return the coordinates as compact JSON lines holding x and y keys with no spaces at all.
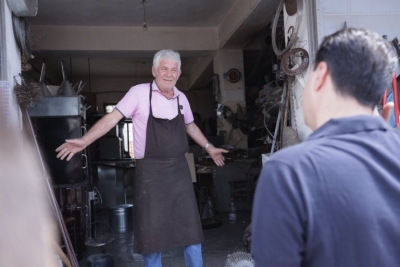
{"x":66,"y":64}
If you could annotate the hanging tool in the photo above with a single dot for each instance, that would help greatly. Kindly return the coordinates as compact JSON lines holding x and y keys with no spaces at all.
{"x":287,"y":61}
{"x":295,"y":35}
{"x":65,"y":88}
{"x":42,"y":84}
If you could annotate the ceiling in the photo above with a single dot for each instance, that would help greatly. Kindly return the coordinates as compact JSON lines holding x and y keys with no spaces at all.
{"x":197,"y":29}
{"x":159,"y":13}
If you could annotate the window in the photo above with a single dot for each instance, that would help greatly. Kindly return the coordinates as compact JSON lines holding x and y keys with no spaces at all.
{"x":128,"y":139}
{"x":108,"y":107}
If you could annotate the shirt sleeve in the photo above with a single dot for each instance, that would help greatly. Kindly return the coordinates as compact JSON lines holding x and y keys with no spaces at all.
{"x":187,"y":111}
{"x":278,"y":217}
{"x":128,"y":105}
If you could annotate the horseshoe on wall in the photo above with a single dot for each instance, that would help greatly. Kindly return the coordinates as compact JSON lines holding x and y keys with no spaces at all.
{"x":286,"y":61}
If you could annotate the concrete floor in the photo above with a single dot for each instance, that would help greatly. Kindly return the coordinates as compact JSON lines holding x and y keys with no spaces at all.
{"x":218,"y":244}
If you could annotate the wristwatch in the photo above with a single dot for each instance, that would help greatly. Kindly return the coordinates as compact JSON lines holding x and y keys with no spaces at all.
{"x":206,"y":145}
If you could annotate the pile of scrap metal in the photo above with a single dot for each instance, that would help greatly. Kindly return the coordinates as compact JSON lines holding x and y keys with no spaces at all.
{"x":63,"y":100}
{"x":275,"y":103}
{"x":269,"y":100}
{"x":269,"y":96}
{"x":269,"y":103}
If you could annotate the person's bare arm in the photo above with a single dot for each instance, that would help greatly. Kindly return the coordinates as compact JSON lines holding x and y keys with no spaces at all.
{"x":386,"y":110}
{"x":216,"y":153}
{"x":73,"y":146}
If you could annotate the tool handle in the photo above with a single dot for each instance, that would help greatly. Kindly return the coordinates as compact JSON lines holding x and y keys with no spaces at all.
{"x":384,"y":98}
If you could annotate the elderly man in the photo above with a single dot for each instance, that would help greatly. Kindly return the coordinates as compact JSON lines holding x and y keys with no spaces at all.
{"x":165,"y":210}
{"x":334,"y":200}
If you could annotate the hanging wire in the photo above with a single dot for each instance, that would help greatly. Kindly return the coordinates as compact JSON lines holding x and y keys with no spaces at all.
{"x":90,"y":87}
{"x":294,"y":36}
{"x":144,"y":15}
{"x":265,"y":118}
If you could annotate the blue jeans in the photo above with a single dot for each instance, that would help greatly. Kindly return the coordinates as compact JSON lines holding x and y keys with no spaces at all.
{"x":192,"y":254}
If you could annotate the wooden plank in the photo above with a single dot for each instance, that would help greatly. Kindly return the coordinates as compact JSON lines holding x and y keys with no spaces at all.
{"x":190,"y":160}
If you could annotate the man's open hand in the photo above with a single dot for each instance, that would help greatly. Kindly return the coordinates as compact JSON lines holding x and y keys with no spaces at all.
{"x":70,"y":148}
{"x":386,"y":110}
{"x":216,"y":155}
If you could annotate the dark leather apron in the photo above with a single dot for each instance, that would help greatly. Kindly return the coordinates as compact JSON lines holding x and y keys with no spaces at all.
{"x":165,"y":209}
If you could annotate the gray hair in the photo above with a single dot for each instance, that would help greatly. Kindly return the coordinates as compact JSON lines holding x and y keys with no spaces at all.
{"x":166,"y":54}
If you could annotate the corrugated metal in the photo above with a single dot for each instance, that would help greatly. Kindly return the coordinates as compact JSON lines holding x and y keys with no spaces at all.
{"x":3,"y":51}
{"x":4,"y":103}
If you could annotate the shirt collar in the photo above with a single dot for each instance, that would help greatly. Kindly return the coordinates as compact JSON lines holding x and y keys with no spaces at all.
{"x":155,"y":88}
{"x":350,"y":125}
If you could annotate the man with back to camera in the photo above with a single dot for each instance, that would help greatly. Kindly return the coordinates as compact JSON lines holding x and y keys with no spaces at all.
{"x":165,"y":208}
{"x":334,"y":200}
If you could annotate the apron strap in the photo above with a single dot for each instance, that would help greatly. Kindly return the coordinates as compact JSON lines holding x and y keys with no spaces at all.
{"x":179,"y":110}
{"x":150,"y":94}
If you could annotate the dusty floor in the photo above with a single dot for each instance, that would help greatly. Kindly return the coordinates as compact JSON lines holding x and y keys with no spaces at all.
{"x":219,"y":243}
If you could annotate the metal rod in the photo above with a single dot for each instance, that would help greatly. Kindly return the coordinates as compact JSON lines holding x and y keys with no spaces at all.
{"x":90,"y":87}
{"x":285,"y":115}
{"x":278,"y":119}
{"x":70,"y":69}
{"x":63,"y":71}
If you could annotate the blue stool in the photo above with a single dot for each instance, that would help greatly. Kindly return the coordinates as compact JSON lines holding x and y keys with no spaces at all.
{"x":100,"y":260}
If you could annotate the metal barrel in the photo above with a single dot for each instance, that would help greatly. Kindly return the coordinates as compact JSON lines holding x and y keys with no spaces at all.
{"x":120,"y":218}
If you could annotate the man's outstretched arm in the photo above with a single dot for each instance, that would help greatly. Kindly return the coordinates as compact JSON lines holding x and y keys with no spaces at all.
{"x":73,"y":146}
{"x":216,"y":153}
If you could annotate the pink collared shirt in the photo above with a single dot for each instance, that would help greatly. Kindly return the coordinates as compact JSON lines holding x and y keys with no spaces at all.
{"x":135,"y":104}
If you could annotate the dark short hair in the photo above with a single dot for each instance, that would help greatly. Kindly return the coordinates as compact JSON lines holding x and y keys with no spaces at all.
{"x":360,"y":62}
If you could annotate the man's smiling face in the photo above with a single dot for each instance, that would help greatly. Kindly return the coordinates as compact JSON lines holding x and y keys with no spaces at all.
{"x":166,"y":74}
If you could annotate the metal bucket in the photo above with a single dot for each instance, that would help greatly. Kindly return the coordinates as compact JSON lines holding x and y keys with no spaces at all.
{"x":120,"y":218}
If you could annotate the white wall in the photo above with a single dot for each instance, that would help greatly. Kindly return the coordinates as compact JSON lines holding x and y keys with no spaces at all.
{"x":13,"y":68}
{"x":232,"y":94}
{"x":324,"y":17}
{"x":296,"y":88}
{"x":381,"y":16}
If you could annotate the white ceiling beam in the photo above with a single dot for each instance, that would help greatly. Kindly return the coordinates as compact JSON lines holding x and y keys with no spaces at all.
{"x":233,"y":20}
{"x":104,"y":38}
{"x":256,"y":15}
{"x":238,"y":13}
{"x":198,"y":69}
